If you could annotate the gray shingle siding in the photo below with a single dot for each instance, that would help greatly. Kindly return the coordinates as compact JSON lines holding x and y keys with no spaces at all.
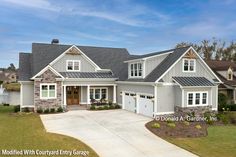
{"x":193,"y":81}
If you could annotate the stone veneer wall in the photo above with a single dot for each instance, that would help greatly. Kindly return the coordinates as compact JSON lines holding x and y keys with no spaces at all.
{"x":198,"y":110}
{"x":47,"y":77}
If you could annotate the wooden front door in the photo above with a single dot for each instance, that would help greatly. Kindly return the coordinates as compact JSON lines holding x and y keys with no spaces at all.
{"x":73,"y":95}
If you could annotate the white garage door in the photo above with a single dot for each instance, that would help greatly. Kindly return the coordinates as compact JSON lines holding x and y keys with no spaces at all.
{"x":146,"y":105}
{"x":129,"y":101}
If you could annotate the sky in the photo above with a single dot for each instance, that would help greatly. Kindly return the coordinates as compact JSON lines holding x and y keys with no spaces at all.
{"x":141,"y":26}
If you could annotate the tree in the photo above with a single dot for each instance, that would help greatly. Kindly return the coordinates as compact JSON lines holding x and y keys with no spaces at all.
{"x":213,"y":49}
{"x":11,"y":67}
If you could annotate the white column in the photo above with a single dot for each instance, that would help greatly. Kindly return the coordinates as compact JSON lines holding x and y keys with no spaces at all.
{"x":114,"y":93}
{"x":123,"y":100}
{"x":64,"y":95}
{"x":88,"y":91}
{"x":155,"y":99}
{"x":137,"y":103}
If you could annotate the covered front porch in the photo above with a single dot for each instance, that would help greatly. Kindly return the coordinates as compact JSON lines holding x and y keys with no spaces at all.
{"x":81,"y":94}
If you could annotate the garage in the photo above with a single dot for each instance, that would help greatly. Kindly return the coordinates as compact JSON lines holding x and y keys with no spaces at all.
{"x":146,"y":105}
{"x":129,"y":100}
{"x":139,"y":103}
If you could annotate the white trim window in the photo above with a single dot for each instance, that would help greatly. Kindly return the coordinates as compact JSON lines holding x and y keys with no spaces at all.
{"x":197,"y":99}
{"x":73,"y":65}
{"x":136,"y":70}
{"x":189,"y":65}
{"x":98,"y":93}
{"x":48,"y":91}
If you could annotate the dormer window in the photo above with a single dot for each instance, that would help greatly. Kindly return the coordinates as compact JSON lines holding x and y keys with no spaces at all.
{"x":136,"y":70}
{"x":73,"y":65}
{"x":189,"y":65}
{"x":230,"y":74}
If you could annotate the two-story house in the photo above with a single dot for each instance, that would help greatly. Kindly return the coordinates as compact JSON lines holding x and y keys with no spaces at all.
{"x":56,"y":75}
{"x":225,"y":70}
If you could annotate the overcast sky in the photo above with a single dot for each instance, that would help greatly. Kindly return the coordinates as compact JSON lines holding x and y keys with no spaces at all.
{"x":140,"y":26}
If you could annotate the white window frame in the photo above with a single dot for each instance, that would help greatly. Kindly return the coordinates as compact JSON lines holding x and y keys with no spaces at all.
{"x":194,"y":98}
{"x":188,"y":60}
{"x":137,"y":63}
{"x":100,"y":88}
{"x":73,"y":65}
{"x":48,"y":84}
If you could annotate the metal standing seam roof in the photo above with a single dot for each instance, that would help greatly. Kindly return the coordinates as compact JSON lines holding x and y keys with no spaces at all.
{"x":193,"y":81}
{"x":87,"y":74}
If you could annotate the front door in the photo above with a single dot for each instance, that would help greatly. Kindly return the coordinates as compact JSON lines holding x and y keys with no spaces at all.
{"x":72,"y":95}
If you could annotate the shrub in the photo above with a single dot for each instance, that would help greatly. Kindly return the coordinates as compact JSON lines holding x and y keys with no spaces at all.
{"x":46,"y":110}
{"x":169,"y":120}
{"x":6,"y":104}
{"x":198,"y":126}
{"x":26,"y":109}
{"x":112,"y":107}
{"x":17,"y":108}
{"x":208,"y":117}
{"x":222,"y":99}
{"x":232,"y":117}
{"x":52,"y":110}
{"x":156,"y":125}
{"x":60,"y":109}
{"x":109,"y":103}
{"x":39,"y":110}
{"x":100,"y":108}
{"x":92,"y":107}
{"x":224,"y":118}
{"x":106,"y":107}
{"x":172,"y":125}
{"x":186,"y":123}
{"x":117,"y":106}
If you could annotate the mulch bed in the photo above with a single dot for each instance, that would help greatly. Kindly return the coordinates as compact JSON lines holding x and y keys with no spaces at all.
{"x":181,"y":130}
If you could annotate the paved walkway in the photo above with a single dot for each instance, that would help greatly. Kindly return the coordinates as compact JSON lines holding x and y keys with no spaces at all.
{"x":114,"y":133}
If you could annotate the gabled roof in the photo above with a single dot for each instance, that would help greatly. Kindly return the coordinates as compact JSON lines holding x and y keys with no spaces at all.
{"x":43,"y":54}
{"x":192,"y":81}
{"x":164,"y":65}
{"x":218,"y":65}
{"x":225,"y":81}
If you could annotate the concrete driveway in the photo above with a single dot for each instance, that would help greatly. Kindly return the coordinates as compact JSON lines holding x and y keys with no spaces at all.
{"x":114,"y":133}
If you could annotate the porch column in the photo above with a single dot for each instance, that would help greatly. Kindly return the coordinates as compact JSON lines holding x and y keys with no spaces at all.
{"x":88,"y":93}
{"x":64,"y":95}
{"x":114,"y":93}
{"x":155,"y":100}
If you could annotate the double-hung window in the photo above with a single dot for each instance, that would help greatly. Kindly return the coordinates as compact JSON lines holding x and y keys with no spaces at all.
{"x":48,"y":91}
{"x":197,"y":99}
{"x":73,"y":65}
{"x":136,"y":70}
{"x":98,"y":93}
{"x":189,"y":65}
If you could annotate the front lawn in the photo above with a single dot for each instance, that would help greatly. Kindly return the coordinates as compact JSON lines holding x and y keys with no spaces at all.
{"x":26,"y":131}
{"x":220,"y":142}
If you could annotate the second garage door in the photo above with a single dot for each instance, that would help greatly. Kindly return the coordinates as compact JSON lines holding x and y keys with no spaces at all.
{"x":146,"y":105}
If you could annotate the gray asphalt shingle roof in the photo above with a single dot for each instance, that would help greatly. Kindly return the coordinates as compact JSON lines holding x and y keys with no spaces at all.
{"x":87,"y":74}
{"x":106,"y":58}
{"x":193,"y":81}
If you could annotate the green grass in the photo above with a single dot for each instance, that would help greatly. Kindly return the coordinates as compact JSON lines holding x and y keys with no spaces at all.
{"x":220,"y":142}
{"x":12,"y":86}
{"x":26,"y":131}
